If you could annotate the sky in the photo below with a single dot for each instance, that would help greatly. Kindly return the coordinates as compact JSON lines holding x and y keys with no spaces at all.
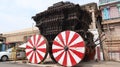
{"x":16,"y":14}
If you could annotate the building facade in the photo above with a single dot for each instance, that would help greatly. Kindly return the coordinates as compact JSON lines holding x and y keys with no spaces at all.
{"x":20,"y":36}
{"x":93,"y":9}
{"x":110,"y":10}
{"x":2,"y":41}
{"x":94,"y":27}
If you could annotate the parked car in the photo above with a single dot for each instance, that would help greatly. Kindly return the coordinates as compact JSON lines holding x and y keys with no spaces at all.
{"x":5,"y":55}
{"x":8,"y":54}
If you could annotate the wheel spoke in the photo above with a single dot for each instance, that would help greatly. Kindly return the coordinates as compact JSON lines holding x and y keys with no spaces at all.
{"x":65,"y":59}
{"x":57,"y":53}
{"x":61,"y":39}
{"x":79,"y":44}
{"x":28,"y":51}
{"x":77,"y":40}
{"x":67,"y":36}
{"x":31,"y":57}
{"x":57,"y":44}
{"x":42,"y":43}
{"x":77,"y":59}
{"x":37,"y":39}
{"x":28,"y":47}
{"x":40,"y":55}
{"x":73,"y":62}
{"x":79,"y":54}
{"x":59,"y":56}
{"x":29,"y":44}
{"x":75,"y":36}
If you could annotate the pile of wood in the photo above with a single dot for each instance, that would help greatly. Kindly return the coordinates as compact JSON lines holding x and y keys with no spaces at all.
{"x":62,"y":16}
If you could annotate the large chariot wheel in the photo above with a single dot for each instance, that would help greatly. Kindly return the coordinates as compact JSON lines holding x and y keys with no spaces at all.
{"x":68,"y":48}
{"x":36,"y":49}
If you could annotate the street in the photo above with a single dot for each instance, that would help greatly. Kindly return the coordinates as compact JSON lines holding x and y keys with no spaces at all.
{"x":9,"y":64}
{"x":51,"y":64}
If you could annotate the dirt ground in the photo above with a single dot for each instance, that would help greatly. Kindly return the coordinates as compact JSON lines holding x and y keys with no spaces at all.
{"x":81,"y":64}
{"x":99,"y":64}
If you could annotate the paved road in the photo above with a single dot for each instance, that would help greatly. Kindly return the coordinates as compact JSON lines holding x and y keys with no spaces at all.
{"x":49,"y":64}
{"x":99,"y":64}
{"x":8,"y":64}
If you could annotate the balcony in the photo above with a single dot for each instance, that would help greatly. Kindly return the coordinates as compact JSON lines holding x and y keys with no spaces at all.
{"x":106,"y":2}
{"x":111,"y":21}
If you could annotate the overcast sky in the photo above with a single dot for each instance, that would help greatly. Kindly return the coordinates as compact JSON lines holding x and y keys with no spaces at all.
{"x":16,"y":14}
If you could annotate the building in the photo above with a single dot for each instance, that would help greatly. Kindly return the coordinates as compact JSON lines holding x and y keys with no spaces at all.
{"x":93,"y":9}
{"x":110,"y":10}
{"x":20,"y":36}
{"x":95,"y":13}
{"x":2,"y":40}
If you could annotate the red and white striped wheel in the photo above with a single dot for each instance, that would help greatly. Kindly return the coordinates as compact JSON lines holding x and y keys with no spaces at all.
{"x":68,"y":48}
{"x":36,"y":49}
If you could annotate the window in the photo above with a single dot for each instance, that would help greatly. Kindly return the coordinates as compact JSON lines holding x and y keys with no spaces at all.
{"x":105,"y":13}
{"x":118,"y":6}
{"x":114,"y":12}
{"x":102,"y":1}
{"x":119,"y":9}
{"x":106,"y":1}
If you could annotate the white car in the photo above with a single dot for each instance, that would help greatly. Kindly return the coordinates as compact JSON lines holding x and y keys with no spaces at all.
{"x":5,"y":55}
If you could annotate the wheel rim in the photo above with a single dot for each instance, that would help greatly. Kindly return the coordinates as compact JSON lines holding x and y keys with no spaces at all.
{"x":68,"y":48}
{"x":4,"y":58}
{"x":36,"y":49}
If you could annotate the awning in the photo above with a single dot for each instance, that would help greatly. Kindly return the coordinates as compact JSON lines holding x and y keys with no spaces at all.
{"x":22,"y":45}
{"x":0,"y":42}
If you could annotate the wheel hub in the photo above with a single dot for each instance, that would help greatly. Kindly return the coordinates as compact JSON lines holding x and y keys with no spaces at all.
{"x":34,"y":48}
{"x":66,"y":48}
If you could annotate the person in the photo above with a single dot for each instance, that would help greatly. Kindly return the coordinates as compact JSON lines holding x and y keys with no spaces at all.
{"x":13,"y":54}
